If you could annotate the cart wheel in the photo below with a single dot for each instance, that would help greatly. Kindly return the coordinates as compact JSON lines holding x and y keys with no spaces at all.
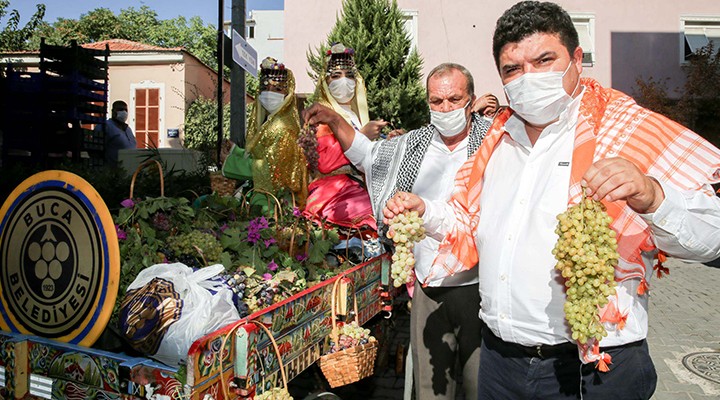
{"x":322,"y":396}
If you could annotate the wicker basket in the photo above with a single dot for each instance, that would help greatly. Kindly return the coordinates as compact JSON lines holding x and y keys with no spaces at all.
{"x":221,"y":185}
{"x":140,"y":168}
{"x":350,"y":365}
{"x":273,"y":392}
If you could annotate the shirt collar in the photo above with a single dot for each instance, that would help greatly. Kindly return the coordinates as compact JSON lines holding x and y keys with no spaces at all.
{"x":438,"y":142}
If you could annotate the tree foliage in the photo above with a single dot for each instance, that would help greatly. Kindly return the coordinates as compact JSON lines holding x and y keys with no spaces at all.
{"x":200,"y":125}
{"x":698,"y":105}
{"x":139,"y":25}
{"x":383,"y":55}
{"x":12,"y":36}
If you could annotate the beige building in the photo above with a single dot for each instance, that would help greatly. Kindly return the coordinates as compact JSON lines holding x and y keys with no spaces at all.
{"x":157,"y":83}
{"x":623,"y":39}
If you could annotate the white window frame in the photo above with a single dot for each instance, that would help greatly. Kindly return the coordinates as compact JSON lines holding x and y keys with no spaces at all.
{"x":585,"y":22}
{"x":162,"y":134}
{"x":697,"y":23}
{"x":411,"y":16}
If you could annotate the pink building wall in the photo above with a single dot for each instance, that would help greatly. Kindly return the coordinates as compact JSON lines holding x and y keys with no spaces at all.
{"x":632,"y":37}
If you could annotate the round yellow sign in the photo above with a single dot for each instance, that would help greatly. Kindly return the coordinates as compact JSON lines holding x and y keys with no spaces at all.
{"x":59,"y":259}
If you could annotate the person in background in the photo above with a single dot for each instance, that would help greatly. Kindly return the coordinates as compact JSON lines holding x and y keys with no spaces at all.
{"x":117,"y":134}
{"x":444,"y":327}
{"x":565,"y":138}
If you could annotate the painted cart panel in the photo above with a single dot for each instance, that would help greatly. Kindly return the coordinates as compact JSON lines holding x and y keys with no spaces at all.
{"x":299,"y":325}
{"x":34,"y":367}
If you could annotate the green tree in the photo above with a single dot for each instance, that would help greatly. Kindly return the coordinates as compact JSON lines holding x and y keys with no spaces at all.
{"x":193,"y":35}
{"x":700,"y":101}
{"x":392,"y":72}
{"x":59,"y":33}
{"x":12,"y":37}
{"x":698,"y":104}
{"x":200,"y":126}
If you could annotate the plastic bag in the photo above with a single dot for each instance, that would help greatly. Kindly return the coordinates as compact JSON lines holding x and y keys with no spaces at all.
{"x":169,"y":306}
{"x":238,"y":164}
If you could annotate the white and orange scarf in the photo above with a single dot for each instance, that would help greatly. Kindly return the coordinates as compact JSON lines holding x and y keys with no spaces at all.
{"x":608,"y":119}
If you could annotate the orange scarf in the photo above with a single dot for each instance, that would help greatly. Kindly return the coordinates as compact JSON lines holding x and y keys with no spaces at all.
{"x":608,"y":119}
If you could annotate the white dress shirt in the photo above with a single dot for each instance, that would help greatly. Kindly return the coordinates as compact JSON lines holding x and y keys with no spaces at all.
{"x":525,"y":188}
{"x":435,"y":180}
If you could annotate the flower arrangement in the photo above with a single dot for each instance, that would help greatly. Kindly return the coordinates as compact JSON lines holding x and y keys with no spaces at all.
{"x":339,"y":48}
{"x":269,"y":250}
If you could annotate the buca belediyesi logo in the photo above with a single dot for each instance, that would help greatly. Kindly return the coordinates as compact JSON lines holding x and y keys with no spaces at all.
{"x":51,"y":250}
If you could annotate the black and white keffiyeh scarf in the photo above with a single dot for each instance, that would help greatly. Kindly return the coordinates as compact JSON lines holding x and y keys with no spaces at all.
{"x":396,"y":161}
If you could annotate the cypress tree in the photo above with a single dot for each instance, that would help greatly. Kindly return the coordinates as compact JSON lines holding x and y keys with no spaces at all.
{"x":392,"y":72}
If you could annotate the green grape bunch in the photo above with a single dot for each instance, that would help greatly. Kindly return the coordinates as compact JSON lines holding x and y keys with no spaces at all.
{"x":586,"y":254}
{"x":276,"y":393}
{"x":406,"y":229}
{"x":198,"y":245}
{"x":351,"y":335}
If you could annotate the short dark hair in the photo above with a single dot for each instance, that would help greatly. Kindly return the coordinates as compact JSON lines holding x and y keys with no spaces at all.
{"x":119,"y":103}
{"x":445,"y":68}
{"x":528,"y":17}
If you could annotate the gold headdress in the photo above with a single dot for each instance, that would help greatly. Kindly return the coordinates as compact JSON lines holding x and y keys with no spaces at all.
{"x":273,"y":72}
{"x":272,"y":140}
{"x":339,"y":57}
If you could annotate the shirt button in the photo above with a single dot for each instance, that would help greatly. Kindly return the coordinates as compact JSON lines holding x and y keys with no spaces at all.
{"x":503,"y":277}
{"x":522,"y":202}
{"x":663,"y":222}
{"x":509,"y":237}
{"x":503,"y":316}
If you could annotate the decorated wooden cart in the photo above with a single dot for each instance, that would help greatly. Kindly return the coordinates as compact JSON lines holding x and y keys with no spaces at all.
{"x":52,"y":286}
{"x":227,"y":361}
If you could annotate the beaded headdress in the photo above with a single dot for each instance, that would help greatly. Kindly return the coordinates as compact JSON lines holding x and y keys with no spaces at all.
{"x":340,"y":57}
{"x":273,"y":72}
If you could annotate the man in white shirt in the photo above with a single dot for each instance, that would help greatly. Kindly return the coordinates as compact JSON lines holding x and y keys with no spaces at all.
{"x":565,"y":138}
{"x":444,"y":323}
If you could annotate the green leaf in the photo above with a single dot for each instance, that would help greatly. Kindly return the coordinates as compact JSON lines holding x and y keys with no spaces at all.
{"x":226,"y":261}
{"x":318,"y":251}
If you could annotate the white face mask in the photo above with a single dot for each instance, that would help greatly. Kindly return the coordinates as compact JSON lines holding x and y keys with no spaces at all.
{"x":122,"y":116}
{"x":539,"y":97}
{"x":449,"y":123}
{"x":271,"y":100}
{"x":342,"y":89}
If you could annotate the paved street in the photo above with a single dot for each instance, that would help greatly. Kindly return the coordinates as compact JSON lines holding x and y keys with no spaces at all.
{"x":684,"y":319}
{"x":684,"y":330}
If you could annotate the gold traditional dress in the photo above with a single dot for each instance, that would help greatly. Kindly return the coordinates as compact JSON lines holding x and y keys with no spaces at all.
{"x":271,"y":140}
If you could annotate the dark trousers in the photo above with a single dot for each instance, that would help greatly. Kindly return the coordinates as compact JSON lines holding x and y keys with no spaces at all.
{"x":445,"y":333}
{"x":507,"y":372}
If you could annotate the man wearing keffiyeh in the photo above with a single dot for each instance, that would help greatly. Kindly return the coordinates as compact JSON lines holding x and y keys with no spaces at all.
{"x":565,"y":137}
{"x":444,"y":328}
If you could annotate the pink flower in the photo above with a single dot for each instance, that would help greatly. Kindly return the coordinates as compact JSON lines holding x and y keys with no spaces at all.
{"x":297,"y":212}
{"x":272,"y":266}
{"x":121,"y":235}
{"x":127,"y":203}
{"x":301,"y":257}
{"x":223,"y":227}
{"x":267,"y":277}
{"x":269,"y":242}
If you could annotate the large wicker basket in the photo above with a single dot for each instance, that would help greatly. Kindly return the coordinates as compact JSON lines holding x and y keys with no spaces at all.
{"x":140,"y":168}
{"x":350,"y":365}
{"x":268,"y":394}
